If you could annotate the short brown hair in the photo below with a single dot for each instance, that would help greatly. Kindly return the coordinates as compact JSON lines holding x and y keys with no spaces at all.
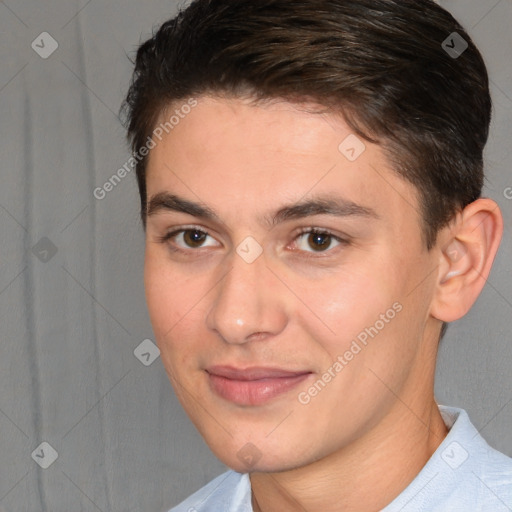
{"x":380,"y":63}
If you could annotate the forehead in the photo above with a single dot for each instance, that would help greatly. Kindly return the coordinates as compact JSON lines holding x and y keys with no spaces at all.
{"x":236,"y":156}
{"x":272,"y":127}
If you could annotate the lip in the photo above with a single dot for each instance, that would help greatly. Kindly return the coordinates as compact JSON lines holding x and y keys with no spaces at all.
{"x":254,"y":385}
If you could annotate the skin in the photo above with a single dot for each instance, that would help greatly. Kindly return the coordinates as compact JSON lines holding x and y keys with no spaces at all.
{"x":376,"y":423}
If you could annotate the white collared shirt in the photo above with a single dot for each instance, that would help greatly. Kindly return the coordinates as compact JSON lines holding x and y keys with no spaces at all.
{"x":463,"y":475}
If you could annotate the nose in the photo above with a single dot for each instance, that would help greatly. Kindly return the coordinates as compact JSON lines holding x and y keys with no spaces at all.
{"x":248,"y":304}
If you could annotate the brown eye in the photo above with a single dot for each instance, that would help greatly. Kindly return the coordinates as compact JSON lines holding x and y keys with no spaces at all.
{"x":188,"y":238}
{"x":318,"y":241}
{"x":194,"y":238}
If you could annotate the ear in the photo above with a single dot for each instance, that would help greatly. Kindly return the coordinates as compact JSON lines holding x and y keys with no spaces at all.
{"x":466,"y":252}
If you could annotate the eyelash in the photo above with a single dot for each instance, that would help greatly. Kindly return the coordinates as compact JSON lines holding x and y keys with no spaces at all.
{"x":314,"y":231}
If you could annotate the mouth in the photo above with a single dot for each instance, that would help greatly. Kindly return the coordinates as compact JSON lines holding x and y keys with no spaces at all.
{"x":253,"y":386}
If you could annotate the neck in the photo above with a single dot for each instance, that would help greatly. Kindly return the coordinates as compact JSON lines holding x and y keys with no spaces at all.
{"x":365,"y":476}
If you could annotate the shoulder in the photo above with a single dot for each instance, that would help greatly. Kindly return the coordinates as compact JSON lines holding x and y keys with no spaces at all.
{"x":229,"y":492}
{"x":491,"y":473}
{"x":464,"y":473}
{"x":464,"y":447}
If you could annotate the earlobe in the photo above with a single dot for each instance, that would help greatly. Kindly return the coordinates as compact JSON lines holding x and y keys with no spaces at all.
{"x":468,"y":249}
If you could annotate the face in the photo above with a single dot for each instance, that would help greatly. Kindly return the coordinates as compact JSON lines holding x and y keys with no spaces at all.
{"x":286,"y":279}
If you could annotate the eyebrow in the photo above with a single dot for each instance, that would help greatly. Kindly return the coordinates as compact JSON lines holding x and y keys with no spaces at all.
{"x":318,"y":205}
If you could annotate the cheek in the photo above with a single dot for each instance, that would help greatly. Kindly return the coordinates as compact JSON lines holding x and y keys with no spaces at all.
{"x":170,"y":299}
{"x":177,"y":302}
{"x":160,"y":295}
{"x":378,"y":326}
{"x":342,"y":305}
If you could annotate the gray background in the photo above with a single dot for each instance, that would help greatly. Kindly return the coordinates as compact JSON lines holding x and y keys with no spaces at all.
{"x":69,"y":325}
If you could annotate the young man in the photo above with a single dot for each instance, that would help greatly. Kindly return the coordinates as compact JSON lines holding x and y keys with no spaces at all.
{"x":310,"y":175}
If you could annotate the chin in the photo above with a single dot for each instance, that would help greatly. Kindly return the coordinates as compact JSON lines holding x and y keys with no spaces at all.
{"x":260,"y":467}
{"x":250,"y":458}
